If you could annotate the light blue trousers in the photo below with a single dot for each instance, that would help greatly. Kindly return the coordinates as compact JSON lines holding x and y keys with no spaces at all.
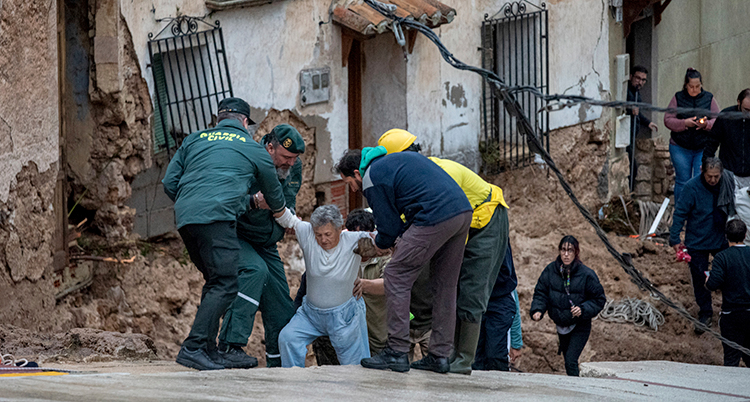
{"x":345,"y":324}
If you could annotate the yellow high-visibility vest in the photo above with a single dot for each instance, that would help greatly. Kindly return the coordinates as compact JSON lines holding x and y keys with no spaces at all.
{"x":483,"y":197}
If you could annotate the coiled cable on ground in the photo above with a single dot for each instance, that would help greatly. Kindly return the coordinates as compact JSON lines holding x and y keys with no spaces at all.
{"x":10,"y":360}
{"x":639,"y":312}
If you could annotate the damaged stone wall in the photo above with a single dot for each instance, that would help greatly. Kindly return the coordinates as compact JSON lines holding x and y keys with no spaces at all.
{"x":111,"y":143}
{"x":655,"y":173}
{"x":29,"y":141}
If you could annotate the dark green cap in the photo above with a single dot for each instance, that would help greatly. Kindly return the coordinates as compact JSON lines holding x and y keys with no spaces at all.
{"x":288,"y":137}
{"x":236,"y":105}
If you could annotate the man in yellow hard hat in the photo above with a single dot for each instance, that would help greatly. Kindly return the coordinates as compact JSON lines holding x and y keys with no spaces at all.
{"x":482,"y":264}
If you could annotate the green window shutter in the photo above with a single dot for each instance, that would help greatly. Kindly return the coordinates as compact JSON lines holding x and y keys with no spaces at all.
{"x":160,"y":120}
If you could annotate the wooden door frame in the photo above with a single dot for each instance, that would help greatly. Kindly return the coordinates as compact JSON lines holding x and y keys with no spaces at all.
{"x":352,"y":59}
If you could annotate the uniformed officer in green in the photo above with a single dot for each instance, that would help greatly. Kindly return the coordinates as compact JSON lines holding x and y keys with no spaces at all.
{"x":262,"y":282}
{"x":210,"y":179}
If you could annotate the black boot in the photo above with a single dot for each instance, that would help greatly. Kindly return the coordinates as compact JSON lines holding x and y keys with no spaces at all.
{"x":433,"y":363}
{"x":388,"y":359}
{"x":235,"y":357}
{"x":197,"y":359}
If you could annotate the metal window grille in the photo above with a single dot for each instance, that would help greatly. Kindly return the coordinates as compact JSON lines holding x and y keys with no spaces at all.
{"x":515,"y":47}
{"x":191,"y":77}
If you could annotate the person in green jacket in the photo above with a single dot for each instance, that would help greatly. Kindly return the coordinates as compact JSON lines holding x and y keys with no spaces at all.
{"x":210,"y":179}
{"x":261,"y":278}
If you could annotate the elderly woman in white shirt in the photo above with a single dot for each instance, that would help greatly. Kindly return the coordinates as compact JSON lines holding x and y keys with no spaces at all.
{"x":329,"y":307}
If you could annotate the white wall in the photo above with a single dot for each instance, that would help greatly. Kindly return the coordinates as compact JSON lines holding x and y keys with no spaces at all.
{"x":29,"y":100}
{"x":579,"y":56}
{"x":444,"y":104}
{"x":270,"y":44}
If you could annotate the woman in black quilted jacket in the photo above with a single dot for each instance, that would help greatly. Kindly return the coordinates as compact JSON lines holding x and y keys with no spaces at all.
{"x":572,"y":295}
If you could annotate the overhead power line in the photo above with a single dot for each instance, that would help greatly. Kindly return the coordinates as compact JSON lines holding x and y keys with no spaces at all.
{"x":506,"y":95}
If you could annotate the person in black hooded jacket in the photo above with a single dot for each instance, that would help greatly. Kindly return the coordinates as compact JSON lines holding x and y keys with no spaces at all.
{"x":572,"y":295}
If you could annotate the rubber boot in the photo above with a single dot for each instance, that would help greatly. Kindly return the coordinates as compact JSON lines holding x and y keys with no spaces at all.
{"x":467,"y":337}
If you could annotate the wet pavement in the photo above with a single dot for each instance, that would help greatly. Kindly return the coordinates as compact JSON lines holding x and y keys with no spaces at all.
{"x":166,"y":381}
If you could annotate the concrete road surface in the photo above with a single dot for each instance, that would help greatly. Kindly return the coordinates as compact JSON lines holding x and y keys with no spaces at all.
{"x":166,"y":381}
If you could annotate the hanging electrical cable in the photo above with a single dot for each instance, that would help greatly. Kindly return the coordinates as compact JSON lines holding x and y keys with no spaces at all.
{"x":507,"y":96}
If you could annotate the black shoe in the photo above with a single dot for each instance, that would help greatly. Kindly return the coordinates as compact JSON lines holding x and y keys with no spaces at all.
{"x":236,"y":358}
{"x":705,"y":321}
{"x":197,"y":359}
{"x":432,"y":363}
{"x":387,"y":359}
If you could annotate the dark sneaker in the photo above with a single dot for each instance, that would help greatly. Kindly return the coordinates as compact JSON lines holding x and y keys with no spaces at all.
{"x":237,"y":358}
{"x":388,"y":359}
{"x":705,"y":321}
{"x":432,"y":363}
{"x":197,"y":359}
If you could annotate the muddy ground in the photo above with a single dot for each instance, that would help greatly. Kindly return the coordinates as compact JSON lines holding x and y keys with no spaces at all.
{"x":156,"y":295}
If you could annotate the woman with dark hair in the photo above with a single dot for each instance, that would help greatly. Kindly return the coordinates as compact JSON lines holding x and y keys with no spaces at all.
{"x":689,"y":132}
{"x":572,"y":294}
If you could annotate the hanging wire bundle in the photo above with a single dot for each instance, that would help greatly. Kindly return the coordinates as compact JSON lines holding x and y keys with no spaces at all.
{"x":506,"y":94}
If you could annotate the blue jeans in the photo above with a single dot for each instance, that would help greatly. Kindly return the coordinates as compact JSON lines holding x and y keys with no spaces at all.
{"x":345,"y":325}
{"x":687,"y":164}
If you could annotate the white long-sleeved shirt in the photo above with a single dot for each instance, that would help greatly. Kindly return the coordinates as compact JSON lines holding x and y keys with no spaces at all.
{"x":330,"y":273}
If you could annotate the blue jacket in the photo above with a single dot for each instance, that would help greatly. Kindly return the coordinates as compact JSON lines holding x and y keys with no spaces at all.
{"x":705,"y":221}
{"x":409,"y":184}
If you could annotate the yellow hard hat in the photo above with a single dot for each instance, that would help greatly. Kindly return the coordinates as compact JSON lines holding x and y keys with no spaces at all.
{"x":396,"y":140}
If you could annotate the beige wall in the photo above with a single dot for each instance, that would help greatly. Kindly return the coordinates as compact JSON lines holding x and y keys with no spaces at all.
{"x":28,"y":157}
{"x":712,"y":36}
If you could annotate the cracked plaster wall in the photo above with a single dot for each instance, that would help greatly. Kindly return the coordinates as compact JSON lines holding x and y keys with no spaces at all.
{"x":28,"y":155}
{"x":445,"y":112}
{"x":579,"y":56}
{"x":267,"y":48}
{"x":28,"y":89}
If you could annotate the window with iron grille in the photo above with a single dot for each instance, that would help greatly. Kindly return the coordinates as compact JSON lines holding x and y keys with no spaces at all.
{"x":191,"y":77}
{"x":515,"y":46}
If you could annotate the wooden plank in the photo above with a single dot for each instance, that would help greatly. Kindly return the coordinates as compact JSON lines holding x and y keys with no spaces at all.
{"x":354,"y":103}
{"x":346,"y":46}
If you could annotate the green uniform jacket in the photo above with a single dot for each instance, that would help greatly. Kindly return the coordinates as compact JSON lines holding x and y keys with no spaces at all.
{"x":257,"y":226}
{"x":211,"y":175}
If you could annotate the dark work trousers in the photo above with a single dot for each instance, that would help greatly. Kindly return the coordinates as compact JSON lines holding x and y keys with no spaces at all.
{"x":262,"y":286}
{"x":483,"y":256}
{"x":735,"y":326}
{"x":492,"y":350}
{"x":571,"y":346}
{"x":443,"y":245}
{"x":698,"y":265}
{"x":214,"y":249}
